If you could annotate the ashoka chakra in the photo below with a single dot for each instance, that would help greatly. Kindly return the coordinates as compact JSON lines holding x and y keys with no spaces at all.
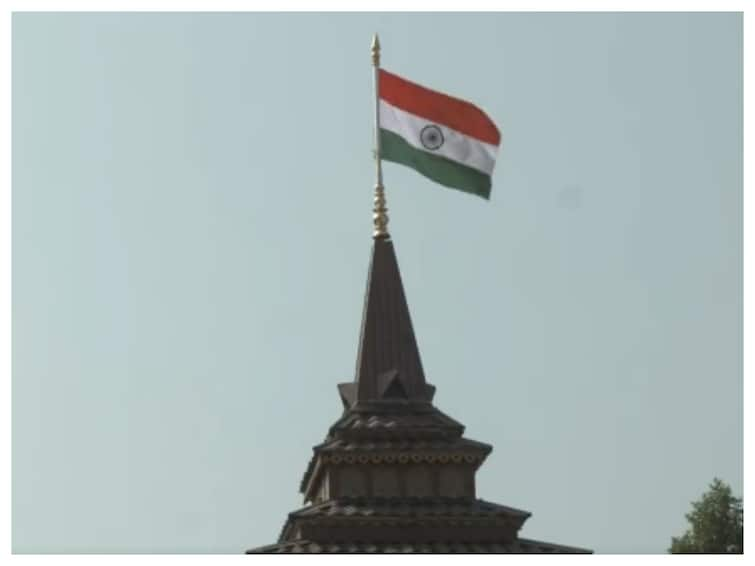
{"x":431,"y":137}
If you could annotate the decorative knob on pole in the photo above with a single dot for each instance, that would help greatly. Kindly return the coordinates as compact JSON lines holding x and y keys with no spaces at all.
{"x":375,"y":51}
{"x":379,"y":216}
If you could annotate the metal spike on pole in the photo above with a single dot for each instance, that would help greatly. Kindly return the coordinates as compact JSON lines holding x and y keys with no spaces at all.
{"x":380,"y":212}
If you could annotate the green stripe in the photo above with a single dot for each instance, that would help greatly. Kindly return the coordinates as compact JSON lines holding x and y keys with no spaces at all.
{"x":440,"y":169}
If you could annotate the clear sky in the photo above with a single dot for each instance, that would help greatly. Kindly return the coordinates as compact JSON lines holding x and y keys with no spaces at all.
{"x":191,"y":235}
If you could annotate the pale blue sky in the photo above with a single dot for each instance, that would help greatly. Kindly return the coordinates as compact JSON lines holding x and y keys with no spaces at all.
{"x":191,"y":233}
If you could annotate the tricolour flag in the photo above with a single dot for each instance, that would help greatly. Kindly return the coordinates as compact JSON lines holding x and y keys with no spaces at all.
{"x":446,"y":139}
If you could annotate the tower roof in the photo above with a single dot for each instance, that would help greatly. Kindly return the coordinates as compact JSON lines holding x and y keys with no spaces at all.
{"x":394,"y":473}
{"x":389,"y":368}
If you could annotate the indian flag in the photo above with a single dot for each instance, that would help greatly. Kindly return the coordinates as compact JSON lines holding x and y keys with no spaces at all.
{"x":446,"y":139}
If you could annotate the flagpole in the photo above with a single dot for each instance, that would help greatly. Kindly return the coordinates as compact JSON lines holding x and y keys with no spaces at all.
{"x":379,"y":216}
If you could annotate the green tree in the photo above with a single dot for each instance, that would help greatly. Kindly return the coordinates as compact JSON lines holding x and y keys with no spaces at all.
{"x":715,"y":524}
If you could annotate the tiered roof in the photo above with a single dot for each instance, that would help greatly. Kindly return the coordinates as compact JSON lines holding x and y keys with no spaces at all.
{"x":394,"y":473}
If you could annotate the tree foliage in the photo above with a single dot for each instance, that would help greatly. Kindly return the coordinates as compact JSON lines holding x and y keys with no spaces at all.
{"x":716,"y":524}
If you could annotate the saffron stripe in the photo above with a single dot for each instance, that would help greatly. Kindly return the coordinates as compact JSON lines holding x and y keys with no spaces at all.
{"x":434,"y":106}
{"x":441,"y":170}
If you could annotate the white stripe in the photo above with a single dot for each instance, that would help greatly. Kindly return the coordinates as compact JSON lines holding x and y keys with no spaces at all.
{"x":456,"y":146}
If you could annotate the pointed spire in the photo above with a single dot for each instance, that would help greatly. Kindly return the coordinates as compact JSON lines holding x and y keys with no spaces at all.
{"x":389,"y":367}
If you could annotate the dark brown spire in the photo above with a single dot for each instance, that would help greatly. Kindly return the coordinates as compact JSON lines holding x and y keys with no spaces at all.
{"x":388,"y":363}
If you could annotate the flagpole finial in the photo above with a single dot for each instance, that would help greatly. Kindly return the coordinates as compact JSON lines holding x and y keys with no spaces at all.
{"x":375,"y":50}
{"x":380,"y":214}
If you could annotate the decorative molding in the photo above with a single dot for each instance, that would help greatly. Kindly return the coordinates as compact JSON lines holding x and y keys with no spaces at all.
{"x":401,"y":458}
